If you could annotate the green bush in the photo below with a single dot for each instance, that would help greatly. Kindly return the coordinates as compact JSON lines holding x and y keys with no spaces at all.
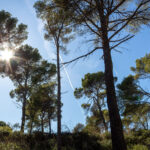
{"x":106,"y":135}
{"x":138,"y":147}
{"x":9,"y":146}
{"x":5,"y":129}
{"x":106,"y":144}
{"x":137,"y":140}
{"x":141,"y":137}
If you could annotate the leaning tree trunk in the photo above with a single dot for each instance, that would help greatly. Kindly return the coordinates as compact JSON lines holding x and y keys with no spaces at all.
{"x":23,"y":115}
{"x":58,"y":101}
{"x":101,"y":115}
{"x":118,"y":141}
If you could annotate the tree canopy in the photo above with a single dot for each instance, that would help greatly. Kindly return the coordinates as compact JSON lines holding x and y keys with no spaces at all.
{"x":117,"y":115}
{"x":12,"y":33}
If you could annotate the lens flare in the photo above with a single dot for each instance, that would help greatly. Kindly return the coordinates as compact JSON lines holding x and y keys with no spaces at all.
{"x":6,"y":55}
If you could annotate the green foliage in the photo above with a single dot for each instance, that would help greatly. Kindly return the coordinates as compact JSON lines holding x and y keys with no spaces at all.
{"x":78,"y":128}
{"x":104,"y":23}
{"x":57,"y":30}
{"x":2,"y":124}
{"x":29,"y":73}
{"x":94,"y":124}
{"x":78,"y":93}
{"x":10,"y":146}
{"x":138,"y":137}
{"x":135,"y":112}
{"x":41,"y":108}
{"x":38,"y":141}
{"x":43,"y":73}
{"x":136,"y":140}
{"x":93,"y":88}
{"x":139,"y":147}
{"x":11,"y":34}
{"x":80,"y":141}
{"x":106,"y":144}
{"x":57,"y":23}
{"x":23,"y":65}
{"x":25,"y":61}
{"x":5,"y":129}
{"x":128,"y":90}
{"x":33,"y":77}
{"x":138,"y":115}
{"x":142,"y":69}
{"x":16,"y":126}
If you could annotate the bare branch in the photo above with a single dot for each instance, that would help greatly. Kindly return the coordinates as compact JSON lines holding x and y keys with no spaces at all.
{"x":129,"y":19}
{"x":85,"y":16}
{"x":122,"y":41}
{"x":115,"y":8}
{"x":91,"y":28}
{"x":83,"y":56}
{"x":143,"y":91}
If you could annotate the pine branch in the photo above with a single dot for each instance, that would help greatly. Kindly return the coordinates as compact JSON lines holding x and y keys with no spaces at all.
{"x":83,"y":56}
{"x":122,"y":41}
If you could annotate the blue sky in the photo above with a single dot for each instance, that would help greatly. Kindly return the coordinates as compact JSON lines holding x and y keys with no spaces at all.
{"x":72,"y":112}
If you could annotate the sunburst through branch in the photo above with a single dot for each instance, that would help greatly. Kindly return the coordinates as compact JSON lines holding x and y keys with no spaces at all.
{"x":6,"y":55}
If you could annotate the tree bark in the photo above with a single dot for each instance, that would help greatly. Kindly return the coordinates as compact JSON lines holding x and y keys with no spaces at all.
{"x":49,"y":123}
{"x":24,"y":102}
{"x":23,"y":115}
{"x":58,"y":101}
{"x":31,"y":127}
{"x":118,"y":141}
{"x":42,"y":124}
{"x":101,"y":115}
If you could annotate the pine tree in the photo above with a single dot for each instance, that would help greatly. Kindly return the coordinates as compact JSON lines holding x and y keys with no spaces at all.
{"x":107,"y":22}
{"x":57,"y":30}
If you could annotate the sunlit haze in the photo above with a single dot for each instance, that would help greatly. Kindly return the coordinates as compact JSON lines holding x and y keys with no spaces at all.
{"x":6,"y":55}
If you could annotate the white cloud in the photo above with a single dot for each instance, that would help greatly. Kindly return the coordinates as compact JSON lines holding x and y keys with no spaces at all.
{"x":48,"y":47}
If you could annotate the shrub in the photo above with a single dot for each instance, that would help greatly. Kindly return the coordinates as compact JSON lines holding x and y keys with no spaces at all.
{"x":138,"y":147}
{"x":5,"y":130}
{"x":9,"y":146}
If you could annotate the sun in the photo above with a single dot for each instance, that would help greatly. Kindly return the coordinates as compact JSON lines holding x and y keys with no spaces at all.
{"x":6,"y":55}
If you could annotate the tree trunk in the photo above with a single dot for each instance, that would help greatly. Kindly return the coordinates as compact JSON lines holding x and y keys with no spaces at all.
{"x":24,"y":102}
{"x":147,"y":123}
{"x":31,"y":127}
{"x":118,"y":141}
{"x":42,"y":124}
{"x":58,"y":101}
{"x":23,"y":115}
{"x":101,"y":115}
{"x":50,"y":129}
